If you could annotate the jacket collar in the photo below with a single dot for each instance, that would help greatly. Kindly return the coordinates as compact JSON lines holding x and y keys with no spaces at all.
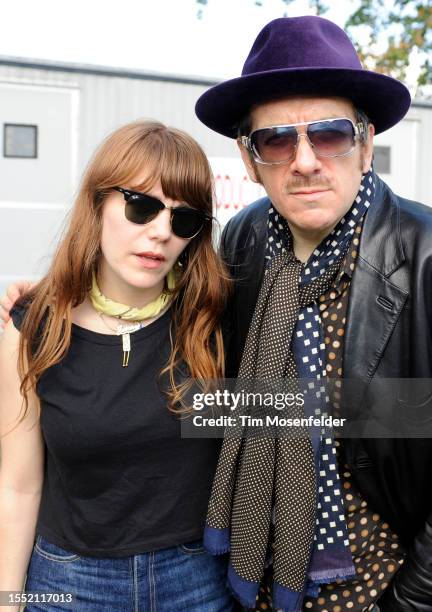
{"x":381,"y":244}
{"x":375,"y":300}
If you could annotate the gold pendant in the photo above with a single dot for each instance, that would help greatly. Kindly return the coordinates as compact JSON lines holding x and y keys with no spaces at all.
{"x":126,"y":349}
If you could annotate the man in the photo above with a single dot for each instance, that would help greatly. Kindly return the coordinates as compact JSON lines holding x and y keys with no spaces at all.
{"x":333,"y":275}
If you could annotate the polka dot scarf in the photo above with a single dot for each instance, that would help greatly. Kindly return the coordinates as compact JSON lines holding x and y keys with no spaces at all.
{"x":331,"y":558}
{"x":265,"y":487}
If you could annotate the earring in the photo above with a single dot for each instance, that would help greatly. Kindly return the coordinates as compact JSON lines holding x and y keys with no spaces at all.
{"x":183,"y":259}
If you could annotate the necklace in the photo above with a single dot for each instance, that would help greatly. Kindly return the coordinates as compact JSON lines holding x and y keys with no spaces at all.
{"x":124,"y":331}
{"x":121,"y":328}
{"x":106,"y":306}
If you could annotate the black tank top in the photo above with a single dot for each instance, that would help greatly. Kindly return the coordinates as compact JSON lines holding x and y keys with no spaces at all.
{"x":119,"y":479}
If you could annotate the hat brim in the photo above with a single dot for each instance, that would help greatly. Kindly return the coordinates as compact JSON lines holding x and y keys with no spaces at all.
{"x":384,"y":99}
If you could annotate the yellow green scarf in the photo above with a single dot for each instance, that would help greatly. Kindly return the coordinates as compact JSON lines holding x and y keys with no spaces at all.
{"x":108,"y":307}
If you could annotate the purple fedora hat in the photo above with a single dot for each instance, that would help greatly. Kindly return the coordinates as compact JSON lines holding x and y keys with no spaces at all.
{"x":303,"y":56}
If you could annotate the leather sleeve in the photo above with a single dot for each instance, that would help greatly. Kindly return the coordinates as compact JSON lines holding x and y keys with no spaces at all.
{"x":223,"y":243}
{"x":227,"y":318}
{"x":411,"y":587}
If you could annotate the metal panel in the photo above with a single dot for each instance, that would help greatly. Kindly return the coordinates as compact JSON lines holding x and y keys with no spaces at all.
{"x":50,"y":176}
{"x":424,"y":164}
{"x":402,"y":142}
{"x":28,"y":236}
{"x":110,"y":101}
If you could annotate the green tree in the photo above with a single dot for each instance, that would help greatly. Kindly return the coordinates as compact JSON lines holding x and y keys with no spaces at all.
{"x":387,"y":35}
{"x":394,"y":33}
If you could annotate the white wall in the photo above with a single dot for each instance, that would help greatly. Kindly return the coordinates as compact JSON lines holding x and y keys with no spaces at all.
{"x":409,"y":143}
{"x":35,"y":193}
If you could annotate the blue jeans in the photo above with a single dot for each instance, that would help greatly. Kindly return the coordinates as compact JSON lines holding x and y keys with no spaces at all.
{"x":184,"y":577}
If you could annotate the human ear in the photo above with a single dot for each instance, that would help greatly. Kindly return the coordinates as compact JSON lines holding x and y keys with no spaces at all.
{"x":368,"y":150}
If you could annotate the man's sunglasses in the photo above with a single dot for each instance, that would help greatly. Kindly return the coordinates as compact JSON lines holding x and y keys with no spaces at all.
{"x":277,"y":144}
{"x":141,"y":208}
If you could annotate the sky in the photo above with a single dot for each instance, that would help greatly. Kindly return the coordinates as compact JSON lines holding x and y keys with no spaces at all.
{"x":155,"y":35}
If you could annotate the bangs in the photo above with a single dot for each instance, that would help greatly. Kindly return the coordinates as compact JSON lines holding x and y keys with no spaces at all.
{"x":186,"y":175}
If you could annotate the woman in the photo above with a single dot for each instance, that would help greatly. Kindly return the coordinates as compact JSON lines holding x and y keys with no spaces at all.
{"x":95,"y":372}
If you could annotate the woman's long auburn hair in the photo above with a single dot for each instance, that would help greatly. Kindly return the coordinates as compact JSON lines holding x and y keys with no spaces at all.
{"x":143,"y":148}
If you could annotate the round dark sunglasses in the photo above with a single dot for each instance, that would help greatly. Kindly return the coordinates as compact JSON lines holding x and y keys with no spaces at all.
{"x":142,"y":208}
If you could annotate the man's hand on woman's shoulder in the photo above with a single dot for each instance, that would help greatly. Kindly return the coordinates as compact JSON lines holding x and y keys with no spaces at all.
{"x":13,"y":292}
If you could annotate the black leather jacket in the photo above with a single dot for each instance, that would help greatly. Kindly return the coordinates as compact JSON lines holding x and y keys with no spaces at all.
{"x":388,"y":335}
